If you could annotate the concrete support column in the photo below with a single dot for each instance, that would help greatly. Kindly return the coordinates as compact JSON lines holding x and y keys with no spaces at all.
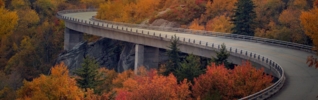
{"x":71,"y":38}
{"x":151,"y":57}
{"x":139,"y":57}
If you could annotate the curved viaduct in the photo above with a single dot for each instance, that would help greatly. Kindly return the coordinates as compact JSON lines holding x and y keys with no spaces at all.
{"x":285,"y":60}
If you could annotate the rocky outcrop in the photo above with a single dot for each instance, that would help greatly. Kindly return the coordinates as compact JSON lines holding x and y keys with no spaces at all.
{"x":165,"y":23}
{"x":104,"y":51}
{"x":108,"y":53}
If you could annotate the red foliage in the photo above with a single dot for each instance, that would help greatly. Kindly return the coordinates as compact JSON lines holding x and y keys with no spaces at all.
{"x":230,"y":84}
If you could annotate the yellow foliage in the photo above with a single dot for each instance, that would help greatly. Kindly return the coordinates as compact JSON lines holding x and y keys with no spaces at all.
{"x":19,"y":4}
{"x":220,"y":24}
{"x":56,"y":86}
{"x":93,"y":3}
{"x":28,"y":17}
{"x":128,"y":11}
{"x":220,"y":7}
{"x":8,"y":20}
{"x":195,"y":25}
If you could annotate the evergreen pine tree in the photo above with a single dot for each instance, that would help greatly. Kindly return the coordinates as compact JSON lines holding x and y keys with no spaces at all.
{"x":221,"y":56}
{"x":190,"y":68}
{"x":174,"y":56}
{"x":89,"y":75}
{"x":243,"y":18}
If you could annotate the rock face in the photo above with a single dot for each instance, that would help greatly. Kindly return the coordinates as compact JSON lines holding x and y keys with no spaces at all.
{"x":108,"y":53}
{"x":164,"y":23}
{"x":104,"y":51}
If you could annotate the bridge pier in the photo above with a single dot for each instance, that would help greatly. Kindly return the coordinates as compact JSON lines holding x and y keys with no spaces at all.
{"x":146,"y":56}
{"x":139,"y":57}
{"x":71,"y":38}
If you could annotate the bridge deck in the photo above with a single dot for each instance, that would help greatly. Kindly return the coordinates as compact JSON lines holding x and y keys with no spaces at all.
{"x":301,"y":82}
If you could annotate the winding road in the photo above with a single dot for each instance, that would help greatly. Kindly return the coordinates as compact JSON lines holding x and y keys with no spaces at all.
{"x":301,"y":81}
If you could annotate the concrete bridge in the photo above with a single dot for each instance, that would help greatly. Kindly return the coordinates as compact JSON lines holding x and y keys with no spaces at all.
{"x":285,"y":60}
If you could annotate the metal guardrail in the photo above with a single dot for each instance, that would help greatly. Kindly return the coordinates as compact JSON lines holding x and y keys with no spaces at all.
{"x":270,"y":64}
{"x":292,"y":45}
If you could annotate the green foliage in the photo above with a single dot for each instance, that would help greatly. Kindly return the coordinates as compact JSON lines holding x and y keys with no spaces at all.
{"x":243,"y":18}
{"x":190,"y":68}
{"x":174,"y":56}
{"x":221,"y":56}
{"x":89,"y":75}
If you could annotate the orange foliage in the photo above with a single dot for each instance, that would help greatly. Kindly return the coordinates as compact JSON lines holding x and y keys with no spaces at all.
{"x":153,"y":86}
{"x":128,"y":11}
{"x":1,"y":3}
{"x":195,"y":25}
{"x":121,"y":77}
{"x":309,"y":21}
{"x":56,"y":86}
{"x":219,"y":24}
{"x":230,"y":84}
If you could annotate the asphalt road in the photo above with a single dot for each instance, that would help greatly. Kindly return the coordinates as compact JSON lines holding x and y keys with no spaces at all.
{"x":301,"y":81}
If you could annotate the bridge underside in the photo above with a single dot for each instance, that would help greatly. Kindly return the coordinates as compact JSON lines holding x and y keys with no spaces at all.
{"x":150,"y":41}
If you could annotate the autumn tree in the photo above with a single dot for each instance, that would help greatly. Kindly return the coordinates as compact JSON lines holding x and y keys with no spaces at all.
{"x":174,"y":58}
{"x":249,"y":80}
{"x":243,"y":18}
{"x":8,"y":20}
{"x":154,"y":86}
{"x":219,"y":24}
{"x":221,"y":83}
{"x":89,"y":77}
{"x":309,"y":21}
{"x":107,"y":76}
{"x":58,"y":85}
{"x":195,"y":25}
{"x":93,"y":3}
{"x":189,"y":69}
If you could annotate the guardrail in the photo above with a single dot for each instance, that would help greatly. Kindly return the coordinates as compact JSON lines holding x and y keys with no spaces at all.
{"x":270,"y":64}
{"x":292,"y":45}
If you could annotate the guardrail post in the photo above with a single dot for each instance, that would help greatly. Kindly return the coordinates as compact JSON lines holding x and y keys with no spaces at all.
{"x":266,"y":60}
{"x":130,"y":29}
{"x":154,"y":34}
{"x":236,"y":50}
{"x":148,"y":34}
{"x":241,"y":51}
{"x":245,"y":53}
{"x":189,"y":41}
{"x":166,"y":36}
{"x":159,"y":34}
{"x":136,"y":30}
{"x":263,"y":59}
{"x":212,"y":45}
{"x":200,"y":42}
{"x":251,"y":54}
{"x":206,"y":44}
{"x":183,"y":39}
{"x":193,"y":41}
